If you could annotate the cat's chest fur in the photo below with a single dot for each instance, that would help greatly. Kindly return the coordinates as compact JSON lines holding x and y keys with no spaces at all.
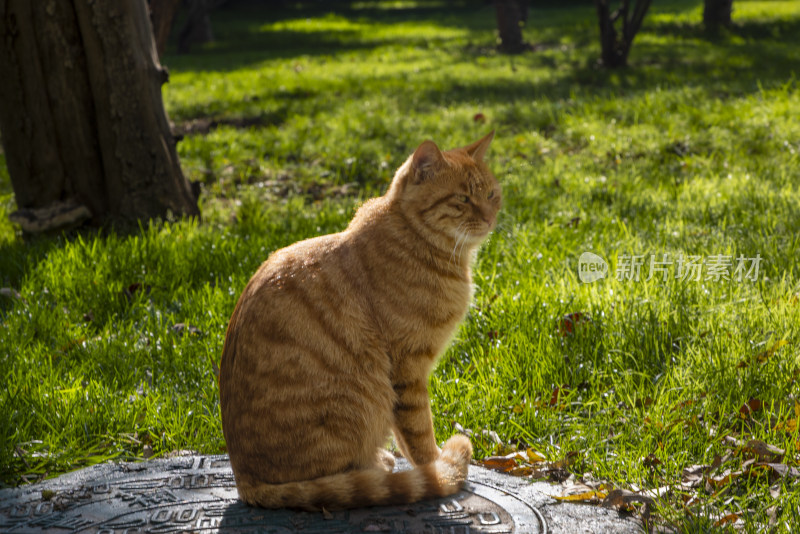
{"x":414,"y":297}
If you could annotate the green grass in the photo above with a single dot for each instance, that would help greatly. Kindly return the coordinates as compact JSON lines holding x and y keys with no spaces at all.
{"x":693,"y":151}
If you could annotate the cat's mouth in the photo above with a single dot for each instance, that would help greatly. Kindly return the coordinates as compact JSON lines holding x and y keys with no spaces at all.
{"x":475,"y":232}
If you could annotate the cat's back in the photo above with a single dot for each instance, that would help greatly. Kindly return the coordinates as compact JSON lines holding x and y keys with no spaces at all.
{"x":299,"y":344}
{"x":310,"y":283}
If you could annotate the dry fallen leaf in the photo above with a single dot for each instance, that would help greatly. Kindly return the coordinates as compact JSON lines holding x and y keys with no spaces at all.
{"x":693,"y":475}
{"x":781,"y":470}
{"x":461,"y":430}
{"x":534,"y":456}
{"x":726,"y":520}
{"x":521,"y":471}
{"x":750,"y":407}
{"x":763,"y":452}
{"x":557,"y":393}
{"x":622,"y":500}
{"x":565,"y":462}
{"x":723,"y":479}
{"x":651,"y":461}
{"x":767,"y":354}
{"x":504,"y":464}
{"x":569,"y":323}
{"x":593,"y":497}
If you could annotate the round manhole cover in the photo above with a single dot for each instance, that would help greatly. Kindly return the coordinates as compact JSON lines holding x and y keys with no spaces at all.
{"x":197,"y":494}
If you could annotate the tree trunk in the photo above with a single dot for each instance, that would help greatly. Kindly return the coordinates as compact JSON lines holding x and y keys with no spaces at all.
{"x":616,"y":46}
{"x":83,"y":123}
{"x":197,"y":29}
{"x":717,"y":13}
{"x":162,"y":14}
{"x":511,"y":18}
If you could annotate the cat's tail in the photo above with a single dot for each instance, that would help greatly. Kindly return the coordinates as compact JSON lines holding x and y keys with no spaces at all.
{"x":370,"y":487}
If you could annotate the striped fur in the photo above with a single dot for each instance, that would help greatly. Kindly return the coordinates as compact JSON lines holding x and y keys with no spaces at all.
{"x":369,"y":487}
{"x":331,"y":343}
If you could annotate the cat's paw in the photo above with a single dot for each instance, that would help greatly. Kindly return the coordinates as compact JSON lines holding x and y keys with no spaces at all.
{"x":453,"y":463}
{"x":457,"y":450}
{"x":385,"y":460}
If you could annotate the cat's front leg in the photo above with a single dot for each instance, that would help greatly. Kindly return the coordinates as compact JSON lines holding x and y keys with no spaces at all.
{"x":413,"y":423}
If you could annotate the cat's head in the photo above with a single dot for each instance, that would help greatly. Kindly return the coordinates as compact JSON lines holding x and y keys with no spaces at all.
{"x":451,"y":193}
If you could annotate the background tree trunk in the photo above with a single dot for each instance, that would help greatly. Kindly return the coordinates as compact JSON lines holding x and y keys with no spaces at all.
{"x":197,"y":29}
{"x":717,"y":13}
{"x":616,"y":46}
{"x":511,"y":18}
{"x":162,"y":15}
{"x":82,"y":119}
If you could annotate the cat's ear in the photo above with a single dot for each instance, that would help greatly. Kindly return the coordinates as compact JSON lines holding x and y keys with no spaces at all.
{"x":425,"y":158}
{"x":478,"y":149}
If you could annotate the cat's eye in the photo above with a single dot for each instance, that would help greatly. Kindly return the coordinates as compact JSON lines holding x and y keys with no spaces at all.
{"x":491,"y":195}
{"x":463,"y":198}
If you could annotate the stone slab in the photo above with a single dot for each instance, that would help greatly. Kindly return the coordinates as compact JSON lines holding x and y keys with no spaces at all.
{"x":198,"y":494}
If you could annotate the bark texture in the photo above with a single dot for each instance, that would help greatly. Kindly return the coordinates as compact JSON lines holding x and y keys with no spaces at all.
{"x":617,"y":45}
{"x":162,"y":15}
{"x":197,"y":29}
{"x":81,"y":114}
{"x":511,"y":18}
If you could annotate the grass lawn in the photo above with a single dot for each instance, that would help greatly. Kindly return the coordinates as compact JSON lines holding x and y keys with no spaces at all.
{"x":109,"y":340}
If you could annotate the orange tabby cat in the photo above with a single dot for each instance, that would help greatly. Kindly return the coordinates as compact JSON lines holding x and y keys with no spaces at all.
{"x":332,"y":341}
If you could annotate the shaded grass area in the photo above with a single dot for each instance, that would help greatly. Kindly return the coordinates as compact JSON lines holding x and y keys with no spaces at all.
{"x":293,"y":117}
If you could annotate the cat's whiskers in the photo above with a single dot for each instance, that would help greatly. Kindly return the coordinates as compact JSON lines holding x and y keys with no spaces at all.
{"x":461,"y":239}
{"x":464,"y":241}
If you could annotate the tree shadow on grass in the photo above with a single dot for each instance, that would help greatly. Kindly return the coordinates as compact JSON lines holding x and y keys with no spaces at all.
{"x":724,"y":67}
{"x":18,"y":257}
{"x":776,"y":30}
{"x":244,"y":38}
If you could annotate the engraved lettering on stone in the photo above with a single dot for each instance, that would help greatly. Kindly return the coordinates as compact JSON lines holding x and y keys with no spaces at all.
{"x":101,"y":487}
{"x":208,"y":522}
{"x":488,"y":518}
{"x":185,"y":515}
{"x":198,"y":481}
{"x":452,"y":507}
{"x":220,"y":464}
{"x":215,"y":509}
{"x":224,"y":480}
{"x":21,"y":512}
{"x":143,"y":484}
{"x":45,"y":507}
{"x":198,"y":495}
{"x":161,"y":516}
